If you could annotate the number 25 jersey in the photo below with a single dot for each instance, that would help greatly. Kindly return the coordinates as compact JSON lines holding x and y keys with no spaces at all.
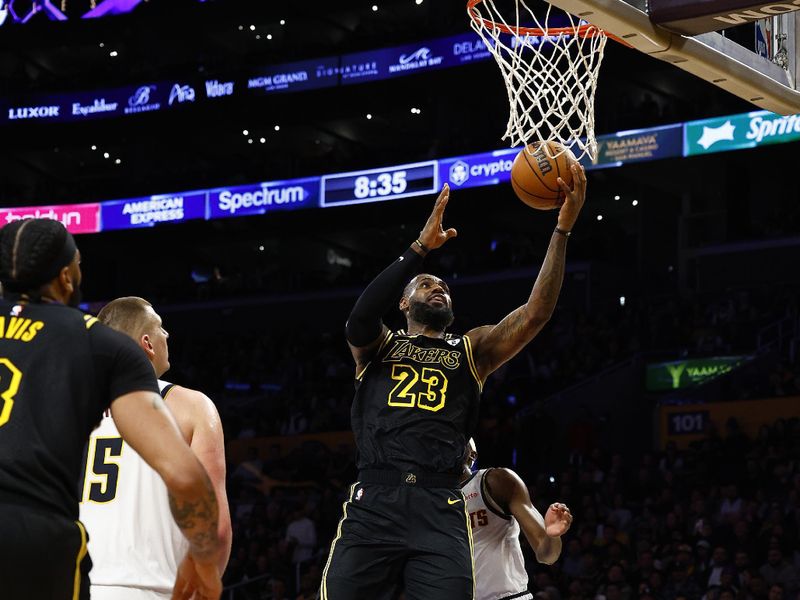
{"x":416,"y":404}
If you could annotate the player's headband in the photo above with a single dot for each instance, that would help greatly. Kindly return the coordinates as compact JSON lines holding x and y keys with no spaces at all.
{"x":60,"y":258}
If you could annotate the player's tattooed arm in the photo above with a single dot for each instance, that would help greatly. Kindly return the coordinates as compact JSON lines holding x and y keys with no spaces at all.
{"x":197,"y":517}
{"x":148,"y":426}
{"x":494,"y":345}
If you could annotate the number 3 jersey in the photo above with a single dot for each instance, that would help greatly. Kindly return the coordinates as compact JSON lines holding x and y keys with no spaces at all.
{"x":59,"y":370}
{"x":133,"y":539}
{"x":416,"y":404}
{"x":499,"y":565}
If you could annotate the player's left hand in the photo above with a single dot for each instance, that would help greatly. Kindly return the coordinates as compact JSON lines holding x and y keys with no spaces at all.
{"x":433,"y":235}
{"x":197,"y":581}
{"x":573,"y":198}
{"x":558,"y":519}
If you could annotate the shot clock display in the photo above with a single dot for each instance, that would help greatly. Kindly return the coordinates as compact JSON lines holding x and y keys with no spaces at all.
{"x":379,"y":184}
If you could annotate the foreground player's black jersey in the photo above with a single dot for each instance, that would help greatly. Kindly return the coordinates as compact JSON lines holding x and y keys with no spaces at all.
{"x":59,"y":370}
{"x":416,"y":404}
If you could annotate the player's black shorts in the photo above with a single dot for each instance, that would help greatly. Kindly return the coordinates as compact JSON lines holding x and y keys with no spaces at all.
{"x":401,"y":536}
{"x":42,"y":556}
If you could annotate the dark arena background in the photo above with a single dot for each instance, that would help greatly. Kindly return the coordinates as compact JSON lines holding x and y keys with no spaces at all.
{"x":661,"y":402}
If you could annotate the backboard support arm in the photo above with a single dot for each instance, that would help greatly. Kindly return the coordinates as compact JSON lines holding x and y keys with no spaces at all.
{"x":709,"y":56}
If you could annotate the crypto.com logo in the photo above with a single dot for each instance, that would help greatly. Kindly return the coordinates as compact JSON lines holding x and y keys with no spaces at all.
{"x":459,"y":172}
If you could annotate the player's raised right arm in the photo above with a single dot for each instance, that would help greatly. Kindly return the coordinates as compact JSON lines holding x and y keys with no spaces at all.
{"x":365,"y":329}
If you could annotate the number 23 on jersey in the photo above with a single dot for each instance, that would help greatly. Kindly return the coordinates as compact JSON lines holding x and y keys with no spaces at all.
{"x":425,"y":389}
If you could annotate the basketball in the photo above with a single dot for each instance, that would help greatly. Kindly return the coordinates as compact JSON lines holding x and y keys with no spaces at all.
{"x":534,"y":174}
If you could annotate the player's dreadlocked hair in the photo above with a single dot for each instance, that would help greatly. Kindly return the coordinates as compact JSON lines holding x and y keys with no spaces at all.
{"x":30,"y":250}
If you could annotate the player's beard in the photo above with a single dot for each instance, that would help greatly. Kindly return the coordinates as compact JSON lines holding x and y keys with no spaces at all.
{"x":75,"y":298}
{"x":437,"y":318}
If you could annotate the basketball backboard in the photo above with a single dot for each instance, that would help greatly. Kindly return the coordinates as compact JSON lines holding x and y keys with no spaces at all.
{"x":770,"y":82}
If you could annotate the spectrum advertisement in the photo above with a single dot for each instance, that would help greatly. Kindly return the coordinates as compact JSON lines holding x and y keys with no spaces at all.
{"x":260,"y":198}
{"x":386,"y":183}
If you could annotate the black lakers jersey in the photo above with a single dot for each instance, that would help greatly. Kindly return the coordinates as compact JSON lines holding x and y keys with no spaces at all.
{"x":59,"y":370}
{"x":416,"y":404}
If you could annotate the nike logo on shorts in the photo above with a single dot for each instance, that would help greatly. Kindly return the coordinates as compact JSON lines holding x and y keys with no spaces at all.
{"x":453,"y":500}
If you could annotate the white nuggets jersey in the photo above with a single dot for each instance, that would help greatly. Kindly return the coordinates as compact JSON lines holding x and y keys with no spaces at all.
{"x":133,"y":539}
{"x":499,"y":565}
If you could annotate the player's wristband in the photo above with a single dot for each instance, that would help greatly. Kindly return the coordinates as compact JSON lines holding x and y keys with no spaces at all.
{"x":421,"y":246}
{"x":563,"y":232}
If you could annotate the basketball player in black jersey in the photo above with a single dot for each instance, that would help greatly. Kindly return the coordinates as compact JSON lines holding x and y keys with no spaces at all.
{"x":416,"y":405}
{"x":59,"y":370}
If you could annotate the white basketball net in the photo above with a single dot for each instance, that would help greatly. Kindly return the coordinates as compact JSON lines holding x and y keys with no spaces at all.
{"x":550,"y":80}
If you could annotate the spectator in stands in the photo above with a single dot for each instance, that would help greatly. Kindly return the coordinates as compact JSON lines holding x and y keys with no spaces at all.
{"x":301,"y":533}
{"x":777,"y":570}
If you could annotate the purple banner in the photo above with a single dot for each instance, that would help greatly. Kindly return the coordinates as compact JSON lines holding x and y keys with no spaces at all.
{"x":295,"y":77}
{"x":475,"y":170}
{"x":152,"y":210}
{"x":260,"y":198}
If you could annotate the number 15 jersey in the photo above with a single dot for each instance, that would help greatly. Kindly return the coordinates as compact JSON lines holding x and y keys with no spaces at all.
{"x":133,"y":539}
{"x":416,"y":404}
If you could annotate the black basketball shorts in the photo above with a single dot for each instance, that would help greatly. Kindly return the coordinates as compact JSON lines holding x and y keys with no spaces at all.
{"x":42,"y":556}
{"x":401,"y":536}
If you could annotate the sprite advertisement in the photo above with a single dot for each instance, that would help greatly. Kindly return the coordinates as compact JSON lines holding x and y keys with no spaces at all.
{"x":683,"y":374}
{"x":737,"y":132}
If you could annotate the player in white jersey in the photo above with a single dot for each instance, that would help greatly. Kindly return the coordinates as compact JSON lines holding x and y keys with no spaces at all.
{"x":135,"y":546}
{"x":499,"y":505}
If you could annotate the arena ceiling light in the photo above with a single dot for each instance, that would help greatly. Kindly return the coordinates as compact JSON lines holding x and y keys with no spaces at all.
{"x":635,"y":203}
{"x":374,"y":8}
